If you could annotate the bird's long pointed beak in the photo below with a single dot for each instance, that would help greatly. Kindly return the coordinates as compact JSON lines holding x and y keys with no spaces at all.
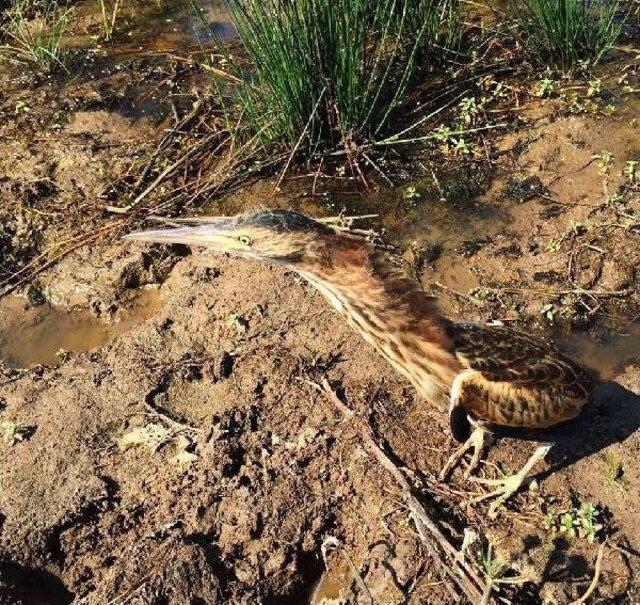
{"x":208,"y":236}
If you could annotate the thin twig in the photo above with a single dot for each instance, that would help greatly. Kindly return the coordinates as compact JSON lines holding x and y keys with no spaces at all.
{"x":457,"y":294}
{"x":165,"y":140}
{"x":378,"y":170}
{"x":340,"y":218}
{"x":163,"y":175}
{"x":176,"y":424}
{"x":601,"y":293}
{"x":467,"y":580}
{"x":333,"y":543}
{"x":83,"y":241}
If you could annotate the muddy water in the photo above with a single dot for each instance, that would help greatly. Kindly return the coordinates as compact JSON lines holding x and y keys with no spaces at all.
{"x":159,"y":25}
{"x":334,"y":587}
{"x":30,"y":336}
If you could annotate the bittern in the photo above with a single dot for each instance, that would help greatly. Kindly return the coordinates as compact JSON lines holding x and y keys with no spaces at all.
{"x":492,"y":375}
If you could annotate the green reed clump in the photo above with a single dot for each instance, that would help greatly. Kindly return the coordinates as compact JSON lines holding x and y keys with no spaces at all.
{"x":443,"y":27}
{"x":564,"y":33}
{"x":37,"y":39}
{"x":329,"y":72}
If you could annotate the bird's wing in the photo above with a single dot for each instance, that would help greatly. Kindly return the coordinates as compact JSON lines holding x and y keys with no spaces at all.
{"x":502,"y":354}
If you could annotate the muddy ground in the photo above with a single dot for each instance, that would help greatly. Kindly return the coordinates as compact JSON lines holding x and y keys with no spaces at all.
{"x":174,"y":451}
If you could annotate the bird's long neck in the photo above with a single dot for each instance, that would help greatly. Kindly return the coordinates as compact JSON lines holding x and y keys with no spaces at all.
{"x":391,"y":312}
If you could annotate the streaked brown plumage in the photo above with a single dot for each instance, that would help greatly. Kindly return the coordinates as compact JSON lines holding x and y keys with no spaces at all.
{"x":493,"y":375}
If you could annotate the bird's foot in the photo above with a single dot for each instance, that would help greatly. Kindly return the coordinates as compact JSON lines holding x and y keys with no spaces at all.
{"x":504,"y":489}
{"x":476,"y":442}
{"x":507,"y":486}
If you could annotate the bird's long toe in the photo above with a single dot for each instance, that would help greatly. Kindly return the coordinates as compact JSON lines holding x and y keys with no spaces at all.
{"x":509,"y":485}
{"x":475,"y":443}
{"x":505,"y":488}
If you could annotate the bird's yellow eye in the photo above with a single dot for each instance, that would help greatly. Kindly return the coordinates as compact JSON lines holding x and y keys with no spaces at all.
{"x":245,"y":240}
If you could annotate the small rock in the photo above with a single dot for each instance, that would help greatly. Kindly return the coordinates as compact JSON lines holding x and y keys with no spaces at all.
{"x":245,"y":572}
{"x":587,"y":268}
{"x":35,"y":296}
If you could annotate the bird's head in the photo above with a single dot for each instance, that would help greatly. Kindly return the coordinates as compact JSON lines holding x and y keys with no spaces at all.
{"x":279,"y":236}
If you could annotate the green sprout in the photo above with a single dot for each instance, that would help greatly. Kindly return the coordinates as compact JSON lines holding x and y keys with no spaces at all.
{"x":583,"y":523}
{"x":545,"y":88}
{"x":605,"y":159}
{"x":631,"y":172}
{"x":469,"y":110}
{"x":13,"y":433}
{"x":595,"y":87}
{"x":411,"y":194}
{"x":549,"y":311}
{"x":495,"y":571}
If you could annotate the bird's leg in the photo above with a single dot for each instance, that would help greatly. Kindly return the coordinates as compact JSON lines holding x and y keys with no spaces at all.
{"x":507,"y":486}
{"x":476,"y":442}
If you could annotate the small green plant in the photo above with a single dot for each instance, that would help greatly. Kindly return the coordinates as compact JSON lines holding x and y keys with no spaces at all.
{"x":568,"y":524}
{"x":484,"y":294}
{"x":553,"y":245}
{"x":589,"y":525}
{"x":549,"y":311}
{"x":545,"y":88}
{"x":469,"y":110}
{"x":595,"y":87}
{"x":496,"y":572}
{"x":632,"y":171}
{"x":238,"y":322}
{"x":460,"y":146}
{"x":605,"y":160}
{"x":577,"y":228}
{"x":411,"y":194}
{"x":568,"y":32}
{"x":443,"y":134}
{"x":549,"y":521}
{"x":37,"y":40}
{"x":583,"y":522}
{"x":13,"y":433}
{"x":21,"y":107}
{"x":63,"y":355}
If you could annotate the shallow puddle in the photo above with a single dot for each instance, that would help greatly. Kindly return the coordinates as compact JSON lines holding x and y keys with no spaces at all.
{"x":334,"y":587}
{"x":31,"y":336}
{"x":163,"y":25}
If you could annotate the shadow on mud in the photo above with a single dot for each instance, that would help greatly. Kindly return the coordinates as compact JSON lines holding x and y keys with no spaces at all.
{"x":28,"y":586}
{"x":612,"y":417}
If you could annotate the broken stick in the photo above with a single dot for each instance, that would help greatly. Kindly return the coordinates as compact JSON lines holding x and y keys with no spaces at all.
{"x":445,"y":554}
